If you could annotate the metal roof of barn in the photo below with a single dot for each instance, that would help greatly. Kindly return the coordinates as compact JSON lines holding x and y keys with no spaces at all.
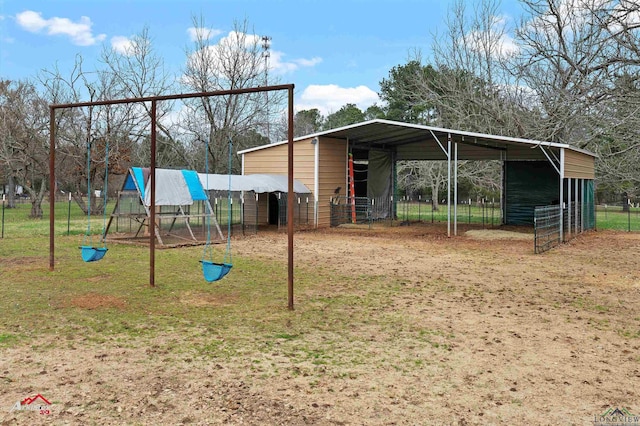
{"x":419,"y":142}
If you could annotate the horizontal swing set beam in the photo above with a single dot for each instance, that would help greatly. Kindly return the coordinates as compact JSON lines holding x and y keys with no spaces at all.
{"x":154,"y":100}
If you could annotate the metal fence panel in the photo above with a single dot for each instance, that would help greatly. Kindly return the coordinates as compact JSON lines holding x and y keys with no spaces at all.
{"x":546,"y":224}
{"x":350,"y":210}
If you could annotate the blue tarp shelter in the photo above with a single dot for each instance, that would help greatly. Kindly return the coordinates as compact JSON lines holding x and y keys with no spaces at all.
{"x":174,"y":188}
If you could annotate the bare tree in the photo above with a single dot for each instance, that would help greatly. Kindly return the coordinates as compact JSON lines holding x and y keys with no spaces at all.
{"x":24,"y":139}
{"x":235,"y":62}
{"x":581,"y":58}
{"x":416,"y":176}
{"x":472,"y":87}
{"x":138,"y":71}
{"x":469,"y":86}
{"x":88,"y":139}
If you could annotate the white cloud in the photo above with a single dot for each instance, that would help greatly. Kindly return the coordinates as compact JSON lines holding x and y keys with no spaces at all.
{"x":330,"y":98}
{"x":202,"y":33}
{"x":123,"y":45}
{"x":308,"y":62}
{"x":79,"y":32}
{"x":30,"y":21}
{"x":235,"y":38}
{"x":624,"y":15}
{"x":277,"y":65}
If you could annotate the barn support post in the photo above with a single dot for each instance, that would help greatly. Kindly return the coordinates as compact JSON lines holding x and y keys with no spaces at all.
{"x":449,"y":185}
{"x":503,"y":189}
{"x":575,"y":221}
{"x":290,"y":196}
{"x":446,"y":152}
{"x":394,"y":185}
{"x":560,"y":170}
{"x":561,"y":194}
{"x":455,"y":190}
{"x":569,"y":211}
{"x":583,"y":206}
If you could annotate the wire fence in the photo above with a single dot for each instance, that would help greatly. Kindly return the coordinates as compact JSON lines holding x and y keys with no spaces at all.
{"x":366,"y":210}
{"x":483,"y":212}
{"x":247,"y":214}
{"x":302,"y":210}
{"x":546,"y":224}
{"x":619,"y":217}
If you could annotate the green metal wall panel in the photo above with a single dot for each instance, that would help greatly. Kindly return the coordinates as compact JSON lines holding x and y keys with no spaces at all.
{"x":528,"y":184}
{"x":589,"y":205}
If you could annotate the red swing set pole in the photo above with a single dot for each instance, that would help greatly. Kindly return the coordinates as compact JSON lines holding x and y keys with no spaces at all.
{"x":152,"y":219}
{"x":52,"y":184}
{"x":290,"y":197}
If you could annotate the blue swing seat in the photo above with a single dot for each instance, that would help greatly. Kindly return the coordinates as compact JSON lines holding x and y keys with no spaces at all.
{"x":91,"y":254}
{"x":214,"y":271}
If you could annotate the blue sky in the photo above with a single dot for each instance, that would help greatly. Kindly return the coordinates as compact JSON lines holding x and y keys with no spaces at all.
{"x":335,"y":52}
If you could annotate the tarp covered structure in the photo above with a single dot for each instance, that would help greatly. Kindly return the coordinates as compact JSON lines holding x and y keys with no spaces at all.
{"x":173,"y":187}
{"x":175,"y":191}
{"x":183,"y":187}
{"x":259,"y":183}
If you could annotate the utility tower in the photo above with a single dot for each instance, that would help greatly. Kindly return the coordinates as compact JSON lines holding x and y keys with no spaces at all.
{"x":266,"y":45}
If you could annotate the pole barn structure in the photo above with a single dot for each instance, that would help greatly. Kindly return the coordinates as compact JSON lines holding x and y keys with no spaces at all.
{"x":535,"y":173}
{"x":152,"y":205}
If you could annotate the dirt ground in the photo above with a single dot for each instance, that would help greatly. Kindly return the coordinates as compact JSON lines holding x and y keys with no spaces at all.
{"x":513,"y":338}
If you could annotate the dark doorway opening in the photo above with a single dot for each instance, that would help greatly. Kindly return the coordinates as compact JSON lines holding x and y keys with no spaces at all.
{"x":360,"y":178}
{"x":274,"y":209}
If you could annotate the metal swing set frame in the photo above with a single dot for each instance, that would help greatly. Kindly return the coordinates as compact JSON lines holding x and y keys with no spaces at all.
{"x":154,"y":101}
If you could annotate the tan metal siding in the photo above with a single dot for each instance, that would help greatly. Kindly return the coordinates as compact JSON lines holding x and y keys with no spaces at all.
{"x":332,"y":173}
{"x":266,"y":161}
{"x":578,"y":165}
{"x":273,"y":160}
{"x":303,"y":162}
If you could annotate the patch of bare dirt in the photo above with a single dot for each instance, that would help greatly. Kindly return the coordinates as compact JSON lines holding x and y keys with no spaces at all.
{"x":30,"y":262}
{"x":497,"y":234}
{"x":97,"y":301}
{"x":206,"y":299}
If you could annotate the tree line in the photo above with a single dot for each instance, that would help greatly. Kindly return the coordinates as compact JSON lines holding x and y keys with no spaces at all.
{"x":567,"y":71}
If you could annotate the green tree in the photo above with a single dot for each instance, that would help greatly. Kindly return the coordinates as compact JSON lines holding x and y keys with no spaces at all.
{"x":401,"y":93}
{"x":348,"y":114}
{"x":374,"y":112}
{"x":307,"y":122}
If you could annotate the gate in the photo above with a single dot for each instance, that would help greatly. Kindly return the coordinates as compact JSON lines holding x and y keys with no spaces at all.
{"x":350,"y":210}
{"x":546,"y":225}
